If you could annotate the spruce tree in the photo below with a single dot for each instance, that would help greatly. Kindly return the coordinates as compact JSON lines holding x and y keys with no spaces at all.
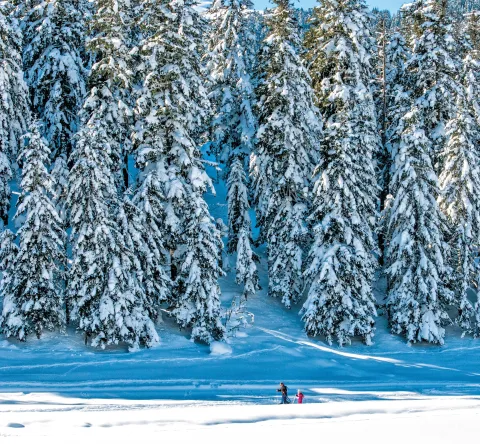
{"x":33,"y":295}
{"x":197,"y":303}
{"x":417,"y":298}
{"x":8,"y":256}
{"x":110,"y":80}
{"x":471,"y":63}
{"x":60,"y":185}
{"x":382,"y":158}
{"x":393,"y":100}
{"x":397,"y":104}
{"x":146,"y":220}
{"x":240,"y":237}
{"x":285,"y":153}
{"x":256,"y":33}
{"x":172,"y":108}
{"x":397,"y":94}
{"x":341,"y":261}
{"x":433,"y":70}
{"x":14,"y":106}
{"x":418,"y":309}
{"x":59,"y":174}
{"x":54,"y":37}
{"x":105,"y":291}
{"x":106,"y":297}
{"x":457,"y":10}
{"x":459,"y":183}
{"x":234,"y":124}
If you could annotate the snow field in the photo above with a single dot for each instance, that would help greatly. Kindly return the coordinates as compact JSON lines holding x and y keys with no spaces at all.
{"x":52,"y":419}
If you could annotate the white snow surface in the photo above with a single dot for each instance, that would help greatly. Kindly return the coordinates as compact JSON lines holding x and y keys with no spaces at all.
{"x":48,"y":418}
{"x":220,"y":348}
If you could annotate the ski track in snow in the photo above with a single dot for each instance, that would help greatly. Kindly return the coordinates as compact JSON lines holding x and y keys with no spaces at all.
{"x":363,"y":357}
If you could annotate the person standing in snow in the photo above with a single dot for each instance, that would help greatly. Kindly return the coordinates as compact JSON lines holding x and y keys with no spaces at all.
{"x":284,"y":390}
{"x":300,"y":397}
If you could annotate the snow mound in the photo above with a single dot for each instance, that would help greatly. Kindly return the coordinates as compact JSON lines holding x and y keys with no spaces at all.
{"x":220,"y":348}
{"x":6,"y":344}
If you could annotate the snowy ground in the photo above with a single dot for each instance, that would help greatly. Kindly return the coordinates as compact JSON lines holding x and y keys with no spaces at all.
{"x":40,"y":418}
{"x":55,"y":384}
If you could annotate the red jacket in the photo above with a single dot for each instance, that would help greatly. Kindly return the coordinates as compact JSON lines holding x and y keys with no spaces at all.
{"x":300,"y":397}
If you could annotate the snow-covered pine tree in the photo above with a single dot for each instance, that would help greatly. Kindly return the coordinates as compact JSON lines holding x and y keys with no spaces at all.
{"x":54,"y":40}
{"x":417,"y":298}
{"x":146,"y":235}
{"x":257,"y":30}
{"x":389,"y":61}
{"x":285,"y":153}
{"x":14,"y":106}
{"x":341,"y":261}
{"x":433,"y":70}
{"x":197,"y":299}
{"x":397,"y":95}
{"x":34,"y":294}
{"x":397,"y":103}
{"x":234,"y":123}
{"x":460,"y":182}
{"x":8,"y":256}
{"x":146,"y":216}
{"x":457,"y":9}
{"x":110,"y":80}
{"x":473,"y":30}
{"x":59,"y":174}
{"x":145,"y":211}
{"x":104,"y":290}
{"x":60,"y":186}
{"x":382,"y":157}
{"x":240,"y":230}
{"x":380,"y":25}
{"x":471,"y":63}
{"x":171,"y":110}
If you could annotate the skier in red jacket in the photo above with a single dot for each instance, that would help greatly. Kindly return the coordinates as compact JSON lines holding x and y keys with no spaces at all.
{"x":300,"y":397}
